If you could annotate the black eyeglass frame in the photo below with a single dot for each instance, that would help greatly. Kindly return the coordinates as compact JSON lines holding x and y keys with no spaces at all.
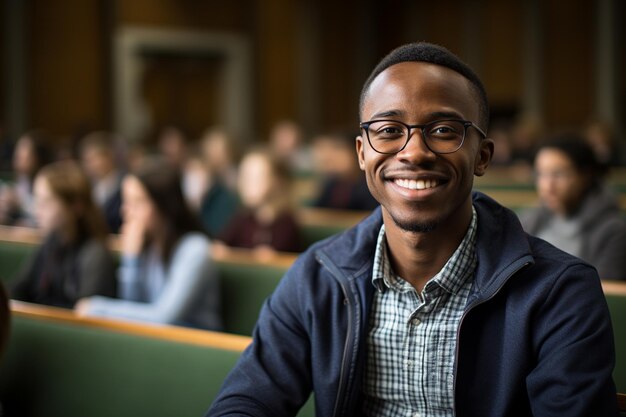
{"x":422,"y":127}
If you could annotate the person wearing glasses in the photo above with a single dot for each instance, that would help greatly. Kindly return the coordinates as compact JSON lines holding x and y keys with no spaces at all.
{"x":438,"y":304}
{"x":577,"y":212}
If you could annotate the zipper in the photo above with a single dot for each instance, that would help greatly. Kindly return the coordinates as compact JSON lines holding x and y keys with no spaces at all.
{"x":342,"y":384}
{"x":471,"y":307}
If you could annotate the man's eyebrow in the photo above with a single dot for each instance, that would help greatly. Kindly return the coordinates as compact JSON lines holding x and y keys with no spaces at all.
{"x":445,"y":115}
{"x":432,"y":116}
{"x":388,"y":113}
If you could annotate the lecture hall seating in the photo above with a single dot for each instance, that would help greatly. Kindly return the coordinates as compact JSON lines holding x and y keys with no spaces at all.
{"x":60,"y":365}
{"x":246,"y":282}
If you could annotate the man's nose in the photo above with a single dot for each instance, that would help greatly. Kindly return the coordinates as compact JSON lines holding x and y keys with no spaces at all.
{"x":416,"y":148}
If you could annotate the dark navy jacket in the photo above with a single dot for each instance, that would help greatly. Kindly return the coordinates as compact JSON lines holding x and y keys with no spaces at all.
{"x":535,"y":338}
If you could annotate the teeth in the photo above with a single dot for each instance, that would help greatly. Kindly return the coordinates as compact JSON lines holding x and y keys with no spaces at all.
{"x":416,"y":184}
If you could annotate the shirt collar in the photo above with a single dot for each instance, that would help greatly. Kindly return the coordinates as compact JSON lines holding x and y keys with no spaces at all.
{"x":451,"y":277}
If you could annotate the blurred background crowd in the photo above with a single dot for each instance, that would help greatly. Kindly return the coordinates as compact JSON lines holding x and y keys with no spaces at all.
{"x":246,"y":111}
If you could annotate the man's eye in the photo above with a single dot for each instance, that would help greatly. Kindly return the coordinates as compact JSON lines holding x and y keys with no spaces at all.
{"x":445,"y":131}
{"x":389,"y":131}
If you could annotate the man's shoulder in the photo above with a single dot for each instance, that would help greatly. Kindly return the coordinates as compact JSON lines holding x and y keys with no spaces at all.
{"x":348,"y":250}
{"x":553,"y":261}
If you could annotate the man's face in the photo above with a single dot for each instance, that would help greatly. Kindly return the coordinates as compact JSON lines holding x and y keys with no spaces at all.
{"x":418,"y":93}
{"x":560,"y":185}
{"x":51,"y":213}
{"x":97,"y":163}
{"x":137,"y":206}
{"x":256,"y":181}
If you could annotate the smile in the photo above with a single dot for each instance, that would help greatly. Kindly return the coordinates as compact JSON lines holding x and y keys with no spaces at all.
{"x":416,"y":184}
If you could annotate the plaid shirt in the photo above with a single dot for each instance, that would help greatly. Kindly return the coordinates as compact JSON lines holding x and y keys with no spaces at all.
{"x":412,"y":337}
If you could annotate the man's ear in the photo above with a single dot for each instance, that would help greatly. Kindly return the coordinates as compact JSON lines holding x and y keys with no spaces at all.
{"x":483,"y":157}
{"x":359,"y":152}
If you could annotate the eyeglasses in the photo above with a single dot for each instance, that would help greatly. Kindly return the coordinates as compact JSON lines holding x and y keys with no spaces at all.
{"x":440,"y":136}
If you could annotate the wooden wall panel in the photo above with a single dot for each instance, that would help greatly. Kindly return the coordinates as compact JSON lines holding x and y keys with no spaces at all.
{"x":69,"y":78}
{"x":502,"y":44}
{"x":183,"y":91}
{"x":232,"y":15}
{"x":568,"y":62}
{"x":337,"y":65}
{"x":2,"y":78}
{"x":621,"y":74}
{"x":276,"y":63}
{"x":66,"y":67}
{"x":442,"y":23}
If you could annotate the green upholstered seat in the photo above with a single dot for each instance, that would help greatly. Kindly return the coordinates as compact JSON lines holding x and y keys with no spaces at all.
{"x":61,"y":369}
{"x":244,"y":288}
{"x":12,"y":256}
{"x":617,"y":307}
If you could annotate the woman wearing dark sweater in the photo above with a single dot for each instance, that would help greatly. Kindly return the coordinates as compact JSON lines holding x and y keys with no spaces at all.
{"x":73,"y":260}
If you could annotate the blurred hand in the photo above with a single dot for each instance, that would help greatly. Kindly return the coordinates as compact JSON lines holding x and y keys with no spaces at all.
{"x":264,"y":252}
{"x":219,"y":249}
{"x":82,"y":307}
{"x":132,"y":235}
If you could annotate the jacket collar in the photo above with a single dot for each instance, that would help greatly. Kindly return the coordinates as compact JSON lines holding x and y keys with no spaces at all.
{"x":502,"y":247}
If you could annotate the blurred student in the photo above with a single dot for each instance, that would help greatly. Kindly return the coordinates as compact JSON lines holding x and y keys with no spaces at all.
{"x":267,"y":222}
{"x":97,"y":154}
{"x":343,"y":183}
{"x":525,"y":134}
{"x":73,"y":261}
{"x":16,"y":199}
{"x":577,"y":213}
{"x":220,"y":152}
{"x":172,"y":143}
{"x":217,"y":163}
{"x":602,"y":139}
{"x":286,"y":141}
{"x":166,"y":275}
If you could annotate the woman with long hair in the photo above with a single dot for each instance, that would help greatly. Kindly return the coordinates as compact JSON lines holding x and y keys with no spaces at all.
{"x":73,"y":261}
{"x":31,"y":153}
{"x":166,"y":274}
{"x":266,"y":223}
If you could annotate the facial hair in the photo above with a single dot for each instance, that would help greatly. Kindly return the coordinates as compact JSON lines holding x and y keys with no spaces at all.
{"x":415,"y":227}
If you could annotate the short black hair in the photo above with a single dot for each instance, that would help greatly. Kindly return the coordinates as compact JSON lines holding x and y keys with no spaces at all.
{"x":433,"y":54}
{"x":577,"y":150}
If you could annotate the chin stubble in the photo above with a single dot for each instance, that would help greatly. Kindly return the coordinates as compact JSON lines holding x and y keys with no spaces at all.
{"x":415,"y":227}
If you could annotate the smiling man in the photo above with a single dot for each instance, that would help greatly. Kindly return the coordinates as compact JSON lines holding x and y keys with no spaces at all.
{"x":438,"y":304}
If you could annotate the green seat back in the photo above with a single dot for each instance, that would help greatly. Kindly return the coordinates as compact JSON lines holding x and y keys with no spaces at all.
{"x":244,"y":288}
{"x":617,"y":307}
{"x":12,"y":257}
{"x":314,"y":233}
{"x":59,"y":369}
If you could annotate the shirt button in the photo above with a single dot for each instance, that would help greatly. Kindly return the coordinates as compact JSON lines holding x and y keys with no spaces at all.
{"x":415,"y":322}
{"x":416,"y":415}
